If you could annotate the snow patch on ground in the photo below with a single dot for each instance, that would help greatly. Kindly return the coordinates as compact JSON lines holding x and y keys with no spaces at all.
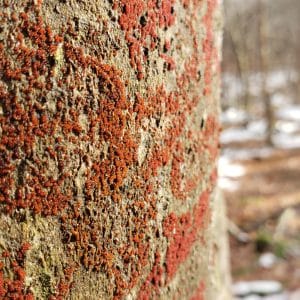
{"x":279,"y":99}
{"x":233,"y":116}
{"x":229,"y":169}
{"x":228,"y":173}
{"x":228,"y":184}
{"x":290,"y":112}
{"x":285,"y":141}
{"x":256,"y":287}
{"x":246,"y":154}
{"x":255,"y":131}
{"x":287,"y":127}
{"x":233,"y":87}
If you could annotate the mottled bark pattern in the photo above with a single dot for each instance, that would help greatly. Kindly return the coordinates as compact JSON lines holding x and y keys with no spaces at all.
{"x":108,"y":146}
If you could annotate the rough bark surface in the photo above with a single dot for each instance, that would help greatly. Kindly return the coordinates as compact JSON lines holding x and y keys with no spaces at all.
{"x":108,"y":146}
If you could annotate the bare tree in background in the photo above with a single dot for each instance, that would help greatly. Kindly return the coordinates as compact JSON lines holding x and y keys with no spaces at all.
{"x":264,"y":67}
{"x":239,"y":51}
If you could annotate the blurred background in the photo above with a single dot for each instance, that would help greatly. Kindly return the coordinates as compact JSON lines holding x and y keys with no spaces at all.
{"x":260,"y":162}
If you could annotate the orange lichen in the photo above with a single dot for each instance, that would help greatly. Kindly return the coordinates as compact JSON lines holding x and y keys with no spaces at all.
{"x":153,"y":281}
{"x":182,"y":233}
{"x":144,"y":18}
{"x":199,"y":293}
{"x":14,"y":288}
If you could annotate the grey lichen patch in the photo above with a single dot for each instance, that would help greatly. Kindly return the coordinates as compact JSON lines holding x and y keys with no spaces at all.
{"x":46,"y":285}
{"x":143,"y":146}
{"x":83,"y":121}
{"x":45,"y":260}
{"x":80,"y":178}
{"x":90,"y":285}
{"x":58,"y":59}
{"x":7,"y":231}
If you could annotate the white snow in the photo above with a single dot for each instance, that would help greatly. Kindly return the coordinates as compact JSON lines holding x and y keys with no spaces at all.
{"x":265,"y":287}
{"x":282,"y":296}
{"x":255,"y":84}
{"x":255,"y":131}
{"x":267,"y":260}
{"x":232,"y":86}
{"x":289,"y":112}
{"x":279,"y":99}
{"x":245,"y":154}
{"x":239,"y":135}
{"x":276,"y":80}
{"x":228,"y":172}
{"x":259,"y":287}
{"x":228,"y":184}
{"x":258,"y":127}
{"x":234,"y":116}
{"x":252,"y":297}
{"x":228,"y":169}
{"x":285,"y":141}
{"x":241,"y":288}
{"x":287,"y":127}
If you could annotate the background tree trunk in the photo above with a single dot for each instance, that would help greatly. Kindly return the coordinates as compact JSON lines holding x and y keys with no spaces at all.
{"x":264,"y":69}
{"x":108,"y":147}
{"x":239,"y":52}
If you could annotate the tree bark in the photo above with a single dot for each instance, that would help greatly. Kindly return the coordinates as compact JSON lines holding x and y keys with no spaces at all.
{"x":108,"y":148}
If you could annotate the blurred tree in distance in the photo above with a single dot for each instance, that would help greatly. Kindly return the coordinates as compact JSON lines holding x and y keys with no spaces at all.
{"x":252,"y":53}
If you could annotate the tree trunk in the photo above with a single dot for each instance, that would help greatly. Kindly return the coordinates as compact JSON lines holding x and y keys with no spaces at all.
{"x":108,"y":144}
{"x":264,"y":65}
{"x":239,"y":50}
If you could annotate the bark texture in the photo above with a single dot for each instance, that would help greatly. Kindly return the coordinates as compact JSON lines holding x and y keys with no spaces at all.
{"x":108,"y":147}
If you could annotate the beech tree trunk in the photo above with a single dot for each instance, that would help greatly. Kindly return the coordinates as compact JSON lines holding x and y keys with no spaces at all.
{"x":108,"y":148}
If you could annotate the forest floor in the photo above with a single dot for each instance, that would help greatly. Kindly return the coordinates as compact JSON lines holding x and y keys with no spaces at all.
{"x":262,"y":191}
{"x":261,"y":185}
